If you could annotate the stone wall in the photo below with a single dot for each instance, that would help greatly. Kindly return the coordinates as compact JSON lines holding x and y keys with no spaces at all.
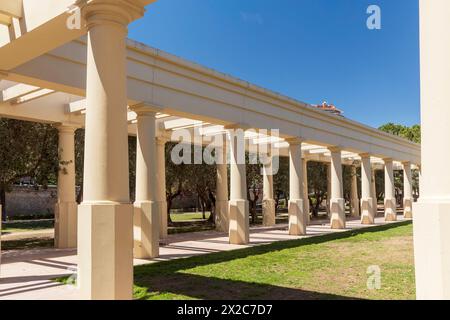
{"x":28,"y":201}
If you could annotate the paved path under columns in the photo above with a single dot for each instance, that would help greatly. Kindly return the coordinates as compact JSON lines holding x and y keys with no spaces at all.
{"x":28,"y":274}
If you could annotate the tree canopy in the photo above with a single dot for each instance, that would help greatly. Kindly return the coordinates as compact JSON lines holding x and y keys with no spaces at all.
{"x":28,"y":150}
{"x":411,"y":133}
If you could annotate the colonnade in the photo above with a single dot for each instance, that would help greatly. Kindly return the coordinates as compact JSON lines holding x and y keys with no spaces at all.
{"x":232,"y":212}
{"x":109,"y":226}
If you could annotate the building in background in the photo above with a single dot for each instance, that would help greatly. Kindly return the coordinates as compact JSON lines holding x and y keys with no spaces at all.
{"x":329,"y":108}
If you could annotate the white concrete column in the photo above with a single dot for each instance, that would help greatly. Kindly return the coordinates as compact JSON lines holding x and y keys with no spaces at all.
{"x":328,"y":202}
{"x":66,"y":206}
{"x":354,"y":193}
{"x":367,"y":210}
{"x":161,"y":186}
{"x":407,"y":191}
{"x":432,"y":212}
{"x":390,"y":206}
{"x":337,"y":203}
{"x":239,"y":228}
{"x":305,"y":189}
{"x":268,"y":202}
{"x":297,"y":217}
{"x":146,"y":214}
{"x":373,"y":191}
{"x":222,"y":221}
{"x":105,"y":219}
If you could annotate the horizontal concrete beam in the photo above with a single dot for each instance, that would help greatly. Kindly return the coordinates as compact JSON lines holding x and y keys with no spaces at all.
{"x":12,"y":8}
{"x":5,"y":19}
{"x":188,"y":90}
{"x":17,"y":91}
{"x":41,"y":35}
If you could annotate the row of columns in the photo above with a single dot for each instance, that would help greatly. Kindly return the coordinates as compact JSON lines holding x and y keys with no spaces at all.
{"x":109,"y":226}
{"x":150,"y":207}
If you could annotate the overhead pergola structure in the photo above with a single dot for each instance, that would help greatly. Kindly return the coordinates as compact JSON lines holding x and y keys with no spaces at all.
{"x":92,"y":77}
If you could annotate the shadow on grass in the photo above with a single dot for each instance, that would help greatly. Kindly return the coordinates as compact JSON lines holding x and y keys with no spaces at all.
{"x":31,"y":243}
{"x":165,"y":277}
{"x":179,"y":227}
{"x":209,"y":288}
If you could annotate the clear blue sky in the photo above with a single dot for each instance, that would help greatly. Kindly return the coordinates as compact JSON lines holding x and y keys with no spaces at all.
{"x":311,"y":50}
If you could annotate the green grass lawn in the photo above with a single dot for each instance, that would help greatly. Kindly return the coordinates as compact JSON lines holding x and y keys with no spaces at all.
{"x":189,"y":216}
{"x":29,"y":243}
{"x":327,"y":267}
{"x":27,"y":225}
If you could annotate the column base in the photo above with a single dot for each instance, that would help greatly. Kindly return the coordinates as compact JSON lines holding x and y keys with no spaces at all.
{"x":105,"y":251}
{"x":66,"y":225}
{"x":297,"y":218}
{"x":390,"y":210}
{"x":337,"y":208}
{"x":268,"y":210}
{"x":146,"y":229}
{"x":367,"y":211}
{"x":239,"y":228}
{"x":407,"y":208}
{"x":222,"y":224}
{"x":432,"y":250}
{"x":163,"y":218}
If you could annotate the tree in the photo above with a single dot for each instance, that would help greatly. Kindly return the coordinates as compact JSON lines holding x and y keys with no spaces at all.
{"x":28,"y":150}
{"x":317,"y":184}
{"x":175,"y":179}
{"x":132,"y":143}
{"x":254,"y":187}
{"x":413,"y":134}
{"x":79,"y":163}
{"x":281,"y":181}
{"x":201,"y":180}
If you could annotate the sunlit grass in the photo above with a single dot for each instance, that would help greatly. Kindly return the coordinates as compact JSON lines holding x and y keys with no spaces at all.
{"x":326,"y":267}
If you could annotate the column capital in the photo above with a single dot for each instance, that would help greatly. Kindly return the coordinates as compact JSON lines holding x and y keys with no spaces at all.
{"x":65,"y":128}
{"x":145,"y":109}
{"x":406,"y":163}
{"x":295,"y":141}
{"x":161,"y":140}
{"x":335,"y":149}
{"x":388,"y":160}
{"x":364,"y":155}
{"x":120,"y":12}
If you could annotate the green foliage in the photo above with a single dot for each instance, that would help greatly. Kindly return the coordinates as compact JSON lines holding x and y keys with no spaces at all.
{"x":281,"y":181}
{"x":317,"y":184}
{"x":411,"y":133}
{"x":28,"y":150}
